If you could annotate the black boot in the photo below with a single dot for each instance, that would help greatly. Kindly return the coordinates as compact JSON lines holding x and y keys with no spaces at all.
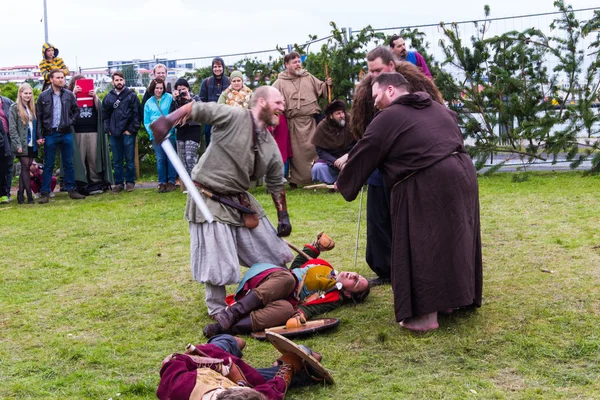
{"x":243,"y":326}
{"x":212,"y":330}
{"x":20,"y":197}
{"x":30,"y":197}
{"x":229,"y":316}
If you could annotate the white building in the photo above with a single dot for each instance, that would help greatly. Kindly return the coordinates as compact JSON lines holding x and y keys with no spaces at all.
{"x":20,"y":73}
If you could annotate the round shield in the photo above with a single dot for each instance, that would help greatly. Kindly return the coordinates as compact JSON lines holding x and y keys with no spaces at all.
{"x":284,"y":345}
{"x":309,"y":328}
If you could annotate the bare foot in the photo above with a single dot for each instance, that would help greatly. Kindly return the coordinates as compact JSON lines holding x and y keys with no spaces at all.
{"x":421,"y":323}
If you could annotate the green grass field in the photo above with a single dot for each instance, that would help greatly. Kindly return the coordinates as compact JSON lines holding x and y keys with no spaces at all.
{"x":95,"y":293}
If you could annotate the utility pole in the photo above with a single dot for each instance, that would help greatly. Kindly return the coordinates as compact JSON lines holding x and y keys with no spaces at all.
{"x":45,"y":22}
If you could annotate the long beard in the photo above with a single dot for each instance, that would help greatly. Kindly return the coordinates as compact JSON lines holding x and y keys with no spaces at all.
{"x":341,"y":123}
{"x":266,"y":115}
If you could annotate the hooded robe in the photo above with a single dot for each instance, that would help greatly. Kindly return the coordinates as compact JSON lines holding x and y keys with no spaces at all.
{"x":301,"y":94}
{"x":436,"y":241}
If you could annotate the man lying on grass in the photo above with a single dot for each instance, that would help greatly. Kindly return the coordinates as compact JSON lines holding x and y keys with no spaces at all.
{"x":270,"y":296}
{"x":215,"y":371}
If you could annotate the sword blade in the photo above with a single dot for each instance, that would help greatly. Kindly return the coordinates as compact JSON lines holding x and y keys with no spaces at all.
{"x":189,"y":184}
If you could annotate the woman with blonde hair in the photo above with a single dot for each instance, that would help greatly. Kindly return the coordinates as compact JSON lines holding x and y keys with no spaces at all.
{"x":22,"y":123}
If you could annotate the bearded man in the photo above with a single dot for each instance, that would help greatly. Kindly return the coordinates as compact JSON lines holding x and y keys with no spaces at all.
{"x":418,"y":147}
{"x":333,"y":141}
{"x":301,"y":92}
{"x":241,"y":150}
{"x":398,"y":47}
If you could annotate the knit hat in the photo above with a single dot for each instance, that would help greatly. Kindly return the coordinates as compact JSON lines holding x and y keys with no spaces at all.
{"x":182,"y":82}
{"x":236,"y":74}
{"x":334,"y":106}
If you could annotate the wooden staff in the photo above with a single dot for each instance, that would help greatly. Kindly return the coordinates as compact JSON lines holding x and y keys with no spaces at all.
{"x":303,"y":254}
{"x":319,"y":186}
{"x":328,"y":86}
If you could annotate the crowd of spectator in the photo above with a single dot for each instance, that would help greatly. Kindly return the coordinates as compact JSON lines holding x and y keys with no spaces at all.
{"x":96,"y":142}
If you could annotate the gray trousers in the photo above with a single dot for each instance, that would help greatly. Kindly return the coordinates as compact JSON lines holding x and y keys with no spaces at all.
{"x":218,"y":250}
{"x":88,"y":149}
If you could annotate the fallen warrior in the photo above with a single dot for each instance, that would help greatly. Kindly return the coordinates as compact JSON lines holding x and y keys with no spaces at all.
{"x":269,"y":295}
{"x":216,"y":371}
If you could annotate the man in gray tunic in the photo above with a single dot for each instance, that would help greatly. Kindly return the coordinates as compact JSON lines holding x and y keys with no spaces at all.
{"x":241,"y":150}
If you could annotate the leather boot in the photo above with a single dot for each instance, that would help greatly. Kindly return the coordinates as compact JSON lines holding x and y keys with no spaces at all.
{"x":232,"y":314}
{"x":212,"y":330}
{"x":20,"y":197}
{"x":243,"y":326}
{"x":30,"y":197}
{"x":290,"y":365}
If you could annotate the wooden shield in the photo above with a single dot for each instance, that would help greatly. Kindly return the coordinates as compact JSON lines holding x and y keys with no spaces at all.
{"x":315,"y":368}
{"x":316,"y":325}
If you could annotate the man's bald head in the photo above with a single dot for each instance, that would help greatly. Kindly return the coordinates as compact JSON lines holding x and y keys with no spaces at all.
{"x":264,"y":92}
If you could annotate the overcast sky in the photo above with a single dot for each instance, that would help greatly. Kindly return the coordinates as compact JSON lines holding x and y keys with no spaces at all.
{"x":89,"y":33}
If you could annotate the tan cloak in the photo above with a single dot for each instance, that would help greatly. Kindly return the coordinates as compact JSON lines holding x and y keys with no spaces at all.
{"x":301,"y":95}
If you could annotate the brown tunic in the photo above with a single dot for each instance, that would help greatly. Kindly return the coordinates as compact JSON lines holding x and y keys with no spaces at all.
{"x":301,"y":94}
{"x":436,"y":244}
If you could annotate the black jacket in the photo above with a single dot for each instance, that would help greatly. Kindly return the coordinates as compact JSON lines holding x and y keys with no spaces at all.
{"x":5,"y":148}
{"x":121,"y":112}
{"x":45,"y":110}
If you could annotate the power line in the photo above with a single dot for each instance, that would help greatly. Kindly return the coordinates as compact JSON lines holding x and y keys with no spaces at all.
{"x":482,"y":20}
{"x":246,"y":53}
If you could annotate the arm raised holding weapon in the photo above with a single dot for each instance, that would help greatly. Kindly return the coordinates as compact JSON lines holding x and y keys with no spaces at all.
{"x":241,"y":150}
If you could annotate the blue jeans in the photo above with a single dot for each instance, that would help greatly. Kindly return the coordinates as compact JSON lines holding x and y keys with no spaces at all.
{"x":227,"y":343}
{"x":166,"y":170}
{"x":51,"y":145}
{"x":123,"y":145}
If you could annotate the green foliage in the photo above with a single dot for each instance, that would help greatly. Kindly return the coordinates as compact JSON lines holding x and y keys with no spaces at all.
{"x":506,"y":98}
{"x":9,"y":90}
{"x":344,"y":56}
{"x":195,"y":78}
{"x":260,"y":73}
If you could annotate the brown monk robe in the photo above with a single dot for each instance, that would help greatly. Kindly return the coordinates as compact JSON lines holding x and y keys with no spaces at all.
{"x":301,"y":91}
{"x":436,"y":245}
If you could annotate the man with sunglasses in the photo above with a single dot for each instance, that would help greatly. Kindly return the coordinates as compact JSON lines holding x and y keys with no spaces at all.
{"x":122,"y":115}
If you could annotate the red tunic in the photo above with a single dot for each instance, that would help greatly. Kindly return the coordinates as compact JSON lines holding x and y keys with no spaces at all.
{"x":178,"y":376}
